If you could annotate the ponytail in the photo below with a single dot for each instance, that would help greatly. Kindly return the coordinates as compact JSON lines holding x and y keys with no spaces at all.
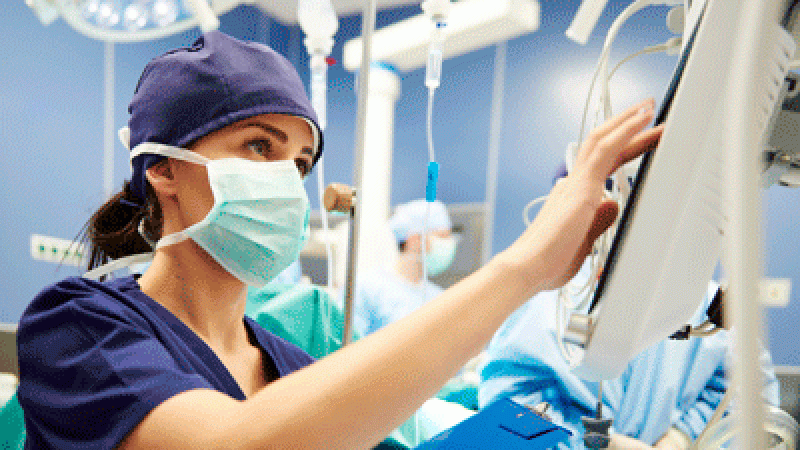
{"x":113,"y":230}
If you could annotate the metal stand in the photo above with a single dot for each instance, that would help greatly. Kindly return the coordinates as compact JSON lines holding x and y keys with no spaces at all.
{"x":341,"y":198}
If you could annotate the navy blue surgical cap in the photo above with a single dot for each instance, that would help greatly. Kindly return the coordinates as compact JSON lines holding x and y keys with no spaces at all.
{"x":190,"y":92}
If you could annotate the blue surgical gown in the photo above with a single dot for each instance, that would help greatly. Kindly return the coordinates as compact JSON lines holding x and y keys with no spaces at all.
{"x":383,"y":297}
{"x":673,"y":383}
{"x":96,"y":357}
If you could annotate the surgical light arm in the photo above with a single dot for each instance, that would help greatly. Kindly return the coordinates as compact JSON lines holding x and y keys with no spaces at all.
{"x":471,"y":25}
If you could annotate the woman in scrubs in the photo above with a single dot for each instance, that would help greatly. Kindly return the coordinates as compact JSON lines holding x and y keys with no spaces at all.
{"x":221,"y":134}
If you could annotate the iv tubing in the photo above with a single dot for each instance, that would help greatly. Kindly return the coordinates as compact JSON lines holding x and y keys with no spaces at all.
{"x":319,"y":84}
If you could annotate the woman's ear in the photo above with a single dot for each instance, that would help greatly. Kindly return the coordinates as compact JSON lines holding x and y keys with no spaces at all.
{"x":161,"y":178}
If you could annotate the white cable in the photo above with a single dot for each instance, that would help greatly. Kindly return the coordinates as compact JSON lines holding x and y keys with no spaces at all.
{"x":424,"y":245}
{"x":644,"y":51}
{"x":602,"y":63}
{"x":576,"y":297}
{"x":626,"y":14}
{"x":651,"y":49}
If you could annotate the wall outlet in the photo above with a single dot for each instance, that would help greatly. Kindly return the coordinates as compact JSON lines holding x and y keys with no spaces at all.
{"x":775,"y":292}
{"x":57,"y":250}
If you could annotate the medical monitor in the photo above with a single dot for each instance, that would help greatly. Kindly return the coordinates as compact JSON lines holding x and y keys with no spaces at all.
{"x":670,"y":234}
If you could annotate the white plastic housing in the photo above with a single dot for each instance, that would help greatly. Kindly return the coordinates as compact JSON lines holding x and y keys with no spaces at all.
{"x":436,"y":9}
{"x":44,"y":10}
{"x":675,"y":234}
{"x":319,"y":23}
{"x":585,"y":20}
{"x":471,"y":25}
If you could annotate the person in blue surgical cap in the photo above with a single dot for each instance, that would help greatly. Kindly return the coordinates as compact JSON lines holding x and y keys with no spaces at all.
{"x":221,"y":135}
{"x":663,"y":399}
{"x":384,"y":296}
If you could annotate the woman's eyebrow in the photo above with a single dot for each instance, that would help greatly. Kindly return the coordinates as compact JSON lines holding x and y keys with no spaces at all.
{"x":268,"y":128}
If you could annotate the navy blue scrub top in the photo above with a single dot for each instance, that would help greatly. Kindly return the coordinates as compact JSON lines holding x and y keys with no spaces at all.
{"x":96,"y":357}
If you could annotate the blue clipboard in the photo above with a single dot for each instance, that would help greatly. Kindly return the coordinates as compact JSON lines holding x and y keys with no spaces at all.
{"x":505,"y":425}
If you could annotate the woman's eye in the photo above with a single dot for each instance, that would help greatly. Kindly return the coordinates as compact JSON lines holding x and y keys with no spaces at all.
{"x":260,"y":147}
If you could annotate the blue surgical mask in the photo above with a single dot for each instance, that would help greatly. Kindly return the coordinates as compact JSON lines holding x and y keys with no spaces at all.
{"x":441,"y":254}
{"x":260,"y":218}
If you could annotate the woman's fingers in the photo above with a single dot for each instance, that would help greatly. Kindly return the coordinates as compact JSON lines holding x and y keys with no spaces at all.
{"x":620,"y":140}
{"x":644,"y":141}
{"x":614,"y":122}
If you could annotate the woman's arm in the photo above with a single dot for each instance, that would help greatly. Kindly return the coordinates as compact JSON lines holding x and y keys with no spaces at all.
{"x":357,"y":395}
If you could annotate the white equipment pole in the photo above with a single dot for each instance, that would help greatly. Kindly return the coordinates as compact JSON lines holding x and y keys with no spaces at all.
{"x":757,"y":39}
{"x":374,"y":192}
{"x":495,"y":130}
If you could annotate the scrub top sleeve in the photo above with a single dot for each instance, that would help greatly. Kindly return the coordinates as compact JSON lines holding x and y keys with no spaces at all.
{"x":694,"y":420}
{"x":90,"y":374}
{"x":363,"y":305}
{"x":772,"y":387}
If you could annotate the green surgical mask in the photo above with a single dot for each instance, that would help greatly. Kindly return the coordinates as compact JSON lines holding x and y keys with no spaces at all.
{"x":441,"y":254}
{"x":260,"y":218}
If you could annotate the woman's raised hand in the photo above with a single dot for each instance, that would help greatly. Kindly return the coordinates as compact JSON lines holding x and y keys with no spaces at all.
{"x":556,"y":243}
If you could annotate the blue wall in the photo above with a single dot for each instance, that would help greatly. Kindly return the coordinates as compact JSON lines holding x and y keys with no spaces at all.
{"x":51,"y":86}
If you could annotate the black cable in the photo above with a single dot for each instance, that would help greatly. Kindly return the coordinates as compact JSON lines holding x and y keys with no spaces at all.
{"x":599,"y":412}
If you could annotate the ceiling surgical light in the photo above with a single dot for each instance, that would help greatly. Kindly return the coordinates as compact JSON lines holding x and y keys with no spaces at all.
{"x":165,"y":12}
{"x":107,"y":15}
{"x":135,"y":16}
{"x":133,"y":20}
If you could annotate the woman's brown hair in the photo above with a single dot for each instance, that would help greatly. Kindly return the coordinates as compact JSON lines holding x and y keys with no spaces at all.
{"x":113,"y":230}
